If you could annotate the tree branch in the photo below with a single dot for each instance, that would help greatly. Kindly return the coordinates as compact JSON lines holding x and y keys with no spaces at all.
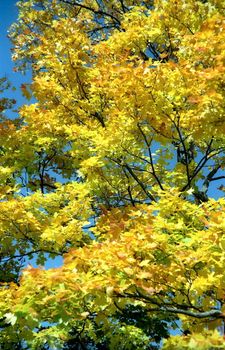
{"x":149,"y":195}
{"x":150,"y":156}
{"x":97,"y":12}
{"x":206,"y":314}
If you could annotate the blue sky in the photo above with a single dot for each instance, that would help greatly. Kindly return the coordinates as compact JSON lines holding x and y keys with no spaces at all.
{"x":8,"y":14}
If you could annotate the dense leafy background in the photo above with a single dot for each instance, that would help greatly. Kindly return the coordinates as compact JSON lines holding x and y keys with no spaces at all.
{"x":110,"y":167}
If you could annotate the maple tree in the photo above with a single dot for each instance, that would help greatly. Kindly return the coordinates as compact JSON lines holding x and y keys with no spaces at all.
{"x":110,"y":168}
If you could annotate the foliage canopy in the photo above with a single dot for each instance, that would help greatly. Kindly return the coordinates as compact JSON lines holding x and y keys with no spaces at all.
{"x":110,"y":168}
